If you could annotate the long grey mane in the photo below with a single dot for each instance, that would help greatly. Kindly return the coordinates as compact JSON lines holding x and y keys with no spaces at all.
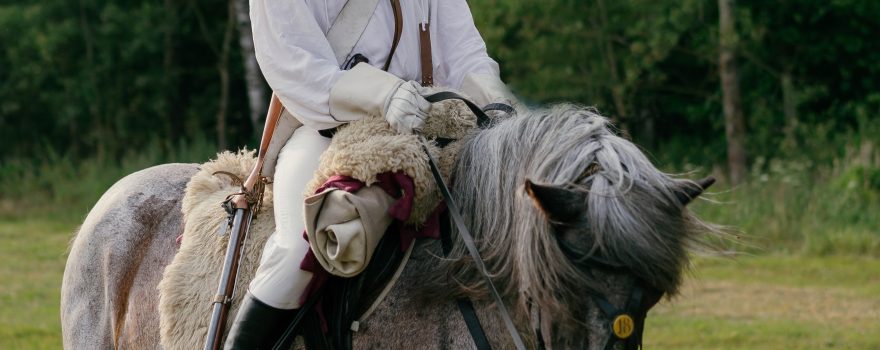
{"x":635,"y":218}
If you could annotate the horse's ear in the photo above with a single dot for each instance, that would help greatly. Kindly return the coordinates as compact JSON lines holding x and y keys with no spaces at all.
{"x":689,"y":191}
{"x":561,"y":205}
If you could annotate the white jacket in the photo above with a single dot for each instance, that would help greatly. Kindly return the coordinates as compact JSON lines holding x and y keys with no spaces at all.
{"x":298,"y":63}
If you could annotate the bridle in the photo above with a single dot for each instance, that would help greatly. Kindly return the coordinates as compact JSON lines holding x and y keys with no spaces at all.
{"x":626,"y":325}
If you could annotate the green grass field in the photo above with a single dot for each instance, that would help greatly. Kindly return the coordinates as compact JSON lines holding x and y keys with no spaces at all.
{"x":32,"y":256}
{"x":752,"y":302}
{"x":773,"y":302}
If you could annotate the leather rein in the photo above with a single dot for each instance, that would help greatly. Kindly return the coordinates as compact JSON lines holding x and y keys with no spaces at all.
{"x":465,"y":306}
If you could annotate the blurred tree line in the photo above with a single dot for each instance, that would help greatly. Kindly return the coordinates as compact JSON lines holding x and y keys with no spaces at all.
{"x":103,"y":79}
{"x":804,"y":65}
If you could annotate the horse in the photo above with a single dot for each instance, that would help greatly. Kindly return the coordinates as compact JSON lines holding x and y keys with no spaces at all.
{"x":568,"y":217}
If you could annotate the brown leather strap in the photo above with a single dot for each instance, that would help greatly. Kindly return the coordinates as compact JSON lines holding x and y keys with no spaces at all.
{"x":427,"y":61}
{"x":398,"y":29}
{"x":272,"y":117}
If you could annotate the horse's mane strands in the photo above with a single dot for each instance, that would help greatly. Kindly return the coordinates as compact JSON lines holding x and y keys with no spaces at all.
{"x":645,"y":229}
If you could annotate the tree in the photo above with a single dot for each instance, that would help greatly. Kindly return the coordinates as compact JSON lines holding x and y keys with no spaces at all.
{"x":256,"y":88}
{"x":734,"y":123}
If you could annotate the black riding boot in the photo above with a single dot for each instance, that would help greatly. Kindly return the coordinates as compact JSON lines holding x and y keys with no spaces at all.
{"x":257,"y":325}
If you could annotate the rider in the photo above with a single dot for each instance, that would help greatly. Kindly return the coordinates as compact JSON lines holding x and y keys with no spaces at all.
{"x":296,"y":58}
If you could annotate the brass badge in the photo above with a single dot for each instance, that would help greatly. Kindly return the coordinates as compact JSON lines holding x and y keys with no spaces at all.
{"x":623,"y":326}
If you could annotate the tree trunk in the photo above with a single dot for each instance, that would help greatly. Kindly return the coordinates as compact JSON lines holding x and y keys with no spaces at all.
{"x":223,"y":70}
{"x":618,"y":87}
{"x":789,"y":107}
{"x":170,"y":84}
{"x":96,"y":107}
{"x":649,"y":128}
{"x":734,"y":123}
{"x":256,"y":88}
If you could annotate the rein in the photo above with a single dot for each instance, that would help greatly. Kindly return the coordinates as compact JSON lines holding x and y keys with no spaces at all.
{"x":471,"y":246}
{"x":465,"y":306}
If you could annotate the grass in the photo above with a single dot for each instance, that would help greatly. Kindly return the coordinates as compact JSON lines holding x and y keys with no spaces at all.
{"x":32,"y":257}
{"x":773,"y":302}
{"x":65,"y":188}
{"x":802,"y":207}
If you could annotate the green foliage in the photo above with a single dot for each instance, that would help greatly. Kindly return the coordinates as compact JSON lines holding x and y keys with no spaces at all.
{"x":652,"y":65}
{"x":822,"y":202}
{"x":66,"y":188}
{"x":90,"y":91}
{"x":93,"y":78}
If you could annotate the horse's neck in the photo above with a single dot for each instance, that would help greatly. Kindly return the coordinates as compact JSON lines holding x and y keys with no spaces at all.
{"x":442,"y":313}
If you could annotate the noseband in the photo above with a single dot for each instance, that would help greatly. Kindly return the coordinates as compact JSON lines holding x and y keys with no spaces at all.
{"x":626,"y":324}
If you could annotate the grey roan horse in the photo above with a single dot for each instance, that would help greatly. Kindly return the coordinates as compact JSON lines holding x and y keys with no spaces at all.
{"x":533,"y":189}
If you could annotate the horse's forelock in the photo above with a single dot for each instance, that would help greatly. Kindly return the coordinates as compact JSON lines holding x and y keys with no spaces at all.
{"x":631,"y":207}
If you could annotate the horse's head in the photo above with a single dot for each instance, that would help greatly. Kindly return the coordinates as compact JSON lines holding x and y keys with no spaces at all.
{"x":576,"y":224}
{"x":621,"y":289}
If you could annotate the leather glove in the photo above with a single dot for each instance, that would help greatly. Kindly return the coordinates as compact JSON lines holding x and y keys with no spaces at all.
{"x":406,"y":109}
{"x":366,"y":90}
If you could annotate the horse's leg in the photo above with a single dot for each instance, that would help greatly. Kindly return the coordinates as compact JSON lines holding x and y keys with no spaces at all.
{"x":108,"y":295}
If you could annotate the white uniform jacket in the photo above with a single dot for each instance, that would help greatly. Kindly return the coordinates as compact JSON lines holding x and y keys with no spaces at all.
{"x":298,"y":63}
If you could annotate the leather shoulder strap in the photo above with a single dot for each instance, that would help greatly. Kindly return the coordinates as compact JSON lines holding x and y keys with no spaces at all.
{"x":398,"y":29}
{"x":348,"y":27}
{"x":426,"y":56}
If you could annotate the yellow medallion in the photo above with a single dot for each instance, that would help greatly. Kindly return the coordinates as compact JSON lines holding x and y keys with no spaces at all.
{"x":623,"y":326}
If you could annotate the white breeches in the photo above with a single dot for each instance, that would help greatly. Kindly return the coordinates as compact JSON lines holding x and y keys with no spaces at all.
{"x":279,"y":282}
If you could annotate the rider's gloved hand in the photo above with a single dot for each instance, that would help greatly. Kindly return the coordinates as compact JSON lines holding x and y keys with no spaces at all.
{"x":366,"y":90}
{"x":406,"y":109}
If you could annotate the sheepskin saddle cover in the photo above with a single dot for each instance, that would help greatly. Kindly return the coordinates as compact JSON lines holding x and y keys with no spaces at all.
{"x":368,"y":147}
{"x":361,"y":150}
